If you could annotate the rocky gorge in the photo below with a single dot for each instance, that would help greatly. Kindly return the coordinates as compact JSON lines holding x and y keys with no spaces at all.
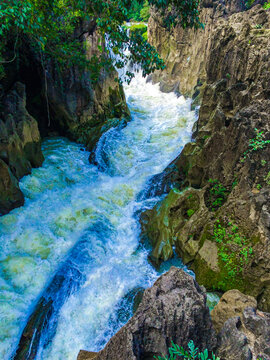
{"x":91,"y":202}
{"x":216,"y":214}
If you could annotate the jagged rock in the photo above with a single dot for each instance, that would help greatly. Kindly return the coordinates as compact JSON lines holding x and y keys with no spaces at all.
{"x":20,"y":146}
{"x":186,"y":51}
{"x":235,"y":102}
{"x":10,"y":193}
{"x":245,"y":339}
{"x":173,"y":309}
{"x":231,"y":304}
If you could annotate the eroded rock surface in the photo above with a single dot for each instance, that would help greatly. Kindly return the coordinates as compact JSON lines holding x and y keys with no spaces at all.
{"x":247,"y":338}
{"x":218,"y":217}
{"x":231,"y":304}
{"x":173,"y":309}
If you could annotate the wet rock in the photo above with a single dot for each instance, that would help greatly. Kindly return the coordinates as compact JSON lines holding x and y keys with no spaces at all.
{"x":173,"y":309}
{"x":247,"y":338}
{"x":10,"y":193}
{"x":87,"y":355}
{"x":231,"y":304}
{"x":20,"y":146}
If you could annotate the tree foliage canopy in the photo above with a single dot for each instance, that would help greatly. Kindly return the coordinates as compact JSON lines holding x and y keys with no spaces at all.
{"x":50,"y":26}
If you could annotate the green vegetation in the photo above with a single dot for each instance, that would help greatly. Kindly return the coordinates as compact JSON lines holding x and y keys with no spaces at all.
{"x":249,"y":3}
{"x":49,"y":27}
{"x":266,"y":6}
{"x":234,"y":250}
{"x":267,"y":178}
{"x":139,"y":29}
{"x":256,"y":143}
{"x":139,"y":11}
{"x":176,"y":352}
{"x":217,"y":194}
{"x":190,"y":212}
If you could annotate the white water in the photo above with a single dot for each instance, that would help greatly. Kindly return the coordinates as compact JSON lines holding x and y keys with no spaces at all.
{"x":69,"y":201}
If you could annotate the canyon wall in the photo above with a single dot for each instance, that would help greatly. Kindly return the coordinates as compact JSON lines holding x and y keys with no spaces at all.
{"x":37,"y":100}
{"x":217,"y":213}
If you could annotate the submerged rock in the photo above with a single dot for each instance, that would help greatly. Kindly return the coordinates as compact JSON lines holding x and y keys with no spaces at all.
{"x":173,"y":309}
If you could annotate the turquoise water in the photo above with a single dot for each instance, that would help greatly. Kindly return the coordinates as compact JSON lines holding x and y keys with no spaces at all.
{"x":80,"y":219}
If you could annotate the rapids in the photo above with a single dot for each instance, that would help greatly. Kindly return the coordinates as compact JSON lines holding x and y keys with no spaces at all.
{"x":79,"y":220}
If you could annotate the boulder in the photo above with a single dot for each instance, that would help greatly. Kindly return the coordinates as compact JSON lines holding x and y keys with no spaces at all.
{"x":173,"y":309}
{"x":231,"y":304}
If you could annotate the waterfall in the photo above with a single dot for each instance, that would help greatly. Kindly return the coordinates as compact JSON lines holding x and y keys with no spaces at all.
{"x":73,"y":250}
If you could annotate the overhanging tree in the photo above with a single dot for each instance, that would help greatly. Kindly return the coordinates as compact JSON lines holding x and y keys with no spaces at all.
{"x":49,"y":26}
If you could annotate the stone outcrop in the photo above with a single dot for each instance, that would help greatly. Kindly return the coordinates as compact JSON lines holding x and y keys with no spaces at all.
{"x":245,"y":338}
{"x":20,"y":147}
{"x":173,"y":309}
{"x":186,"y":51}
{"x":217,"y":216}
{"x":231,"y":304}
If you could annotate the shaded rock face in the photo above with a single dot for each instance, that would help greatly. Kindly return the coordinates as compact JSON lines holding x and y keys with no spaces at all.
{"x":20,"y":147}
{"x":173,"y":309}
{"x":37,"y":98}
{"x":212,"y":223}
{"x":247,"y":338}
{"x":80,"y":108}
{"x":231,"y":304}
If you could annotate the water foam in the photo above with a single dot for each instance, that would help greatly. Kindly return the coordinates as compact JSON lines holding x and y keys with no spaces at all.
{"x":67,"y":201}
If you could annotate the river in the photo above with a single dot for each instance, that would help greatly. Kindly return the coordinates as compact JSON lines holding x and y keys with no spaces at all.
{"x":79,"y":222}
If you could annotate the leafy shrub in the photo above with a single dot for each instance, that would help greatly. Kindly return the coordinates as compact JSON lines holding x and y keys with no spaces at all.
{"x":266,"y":6}
{"x":216,"y":195}
{"x":256,"y":143}
{"x":176,"y":352}
{"x":234,"y":249}
{"x":145,"y":12}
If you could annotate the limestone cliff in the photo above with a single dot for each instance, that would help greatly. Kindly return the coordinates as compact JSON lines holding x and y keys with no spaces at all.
{"x":218,"y":216}
{"x":37,"y":98}
{"x":186,"y":51}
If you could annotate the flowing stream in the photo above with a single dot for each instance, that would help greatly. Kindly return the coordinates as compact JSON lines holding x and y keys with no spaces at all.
{"x":79,"y":224}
